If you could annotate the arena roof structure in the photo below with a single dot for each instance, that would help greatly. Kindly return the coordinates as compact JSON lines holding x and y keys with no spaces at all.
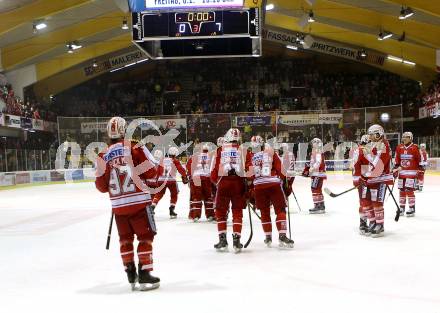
{"x":35,"y":35}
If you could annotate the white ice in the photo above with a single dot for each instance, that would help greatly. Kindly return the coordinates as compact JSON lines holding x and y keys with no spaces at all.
{"x":53,"y":258}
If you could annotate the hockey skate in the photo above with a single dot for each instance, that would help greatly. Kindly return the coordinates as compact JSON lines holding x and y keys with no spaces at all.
{"x":378,"y":231}
{"x":402,"y":211}
{"x":363,"y":228}
{"x":173,"y":214}
{"x":268,"y":241}
{"x":318,"y":209}
{"x":211,"y":219}
{"x":236,"y":243}
{"x":411,"y":212}
{"x":196,"y":219}
{"x":147,"y":281}
{"x":222,"y":245}
{"x":130,"y":269}
{"x":370,"y":228}
{"x":284,"y":242}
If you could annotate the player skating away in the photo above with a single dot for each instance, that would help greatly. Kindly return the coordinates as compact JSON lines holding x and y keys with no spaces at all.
{"x":360,"y":166}
{"x":378,"y":154}
{"x":265,"y":173}
{"x":406,"y":168}
{"x":227,"y":174}
{"x":423,"y":165}
{"x":199,"y":172}
{"x":316,"y":170}
{"x":167,"y":171}
{"x":117,"y":169}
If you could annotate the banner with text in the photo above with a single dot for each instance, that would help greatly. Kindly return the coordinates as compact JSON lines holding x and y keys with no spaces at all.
{"x":253,"y":120}
{"x":114,"y":63}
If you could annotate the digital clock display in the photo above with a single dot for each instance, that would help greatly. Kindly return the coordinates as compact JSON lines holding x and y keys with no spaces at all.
{"x":194,"y":21}
{"x":175,"y":25}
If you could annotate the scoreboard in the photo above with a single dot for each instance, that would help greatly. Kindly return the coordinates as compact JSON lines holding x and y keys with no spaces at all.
{"x":196,"y":28}
{"x":175,"y":25}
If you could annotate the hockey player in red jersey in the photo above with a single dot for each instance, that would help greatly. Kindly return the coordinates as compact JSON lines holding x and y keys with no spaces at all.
{"x":359,"y":167}
{"x":406,"y":167}
{"x":220,"y":142}
{"x":228,"y":175}
{"x":288,"y":167}
{"x":423,"y":165}
{"x":316,"y":170}
{"x":378,"y":176}
{"x":166,"y":179}
{"x":199,"y":172}
{"x":121,"y":169}
{"x":264,"y":169}
{"x":152,"y":182}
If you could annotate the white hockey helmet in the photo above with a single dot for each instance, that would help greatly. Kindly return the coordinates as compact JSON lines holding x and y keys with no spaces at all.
{"x":173,"y":151}
{"x":116,"y":127}
{"x":423,"y":146}
{"x":158,"y":154}
{"x":376,"y":130}
{"x":316,"y":142}
{"x":257,"y":141}
{"x":364,"y":139}
{"x":408,"y":135}
{"x":220,"y":141}
{"x":232,"y":134}
{"x":205,"y":147}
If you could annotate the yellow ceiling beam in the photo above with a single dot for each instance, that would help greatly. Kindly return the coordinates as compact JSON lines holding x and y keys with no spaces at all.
{"x":36,"y":10}
{"x":428,"y":6}
{"x":65,"y":61}
{"x":21,"y":52}
{"x":424,"y":57}
{"x":421,"y":55}
{"x":424,"y":33}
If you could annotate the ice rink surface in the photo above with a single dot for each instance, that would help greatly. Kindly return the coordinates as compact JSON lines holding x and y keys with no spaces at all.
{"x":53,"y":258}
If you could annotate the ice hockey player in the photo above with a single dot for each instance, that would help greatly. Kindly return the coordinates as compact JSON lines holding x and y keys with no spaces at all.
{"x":199,"y":172}
{"x":168,"y":168}
{"x":264,"y":169}
{"x":220,"y":142}
{"x":316,"y":170}
{"x":152,"y":182}
{"x":378,"y":154}
{"x":288,"y":167}
{"x":120,"y":170}
{"x":423,"y":165}
{"x":360,"y":166}
{"x":228,"y":175}
{"x":406,"y":167}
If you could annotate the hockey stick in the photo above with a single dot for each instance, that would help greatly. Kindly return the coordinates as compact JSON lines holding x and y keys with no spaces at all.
{"x":288,"y":218}
{"x":392,"y":189}
{"x":297,"y":203}
{"x":334,"y":195}
{"x":109,"y":235}
{"x":250,"y":223}
{"x":255,"y":211}
{"x":397,"y":217}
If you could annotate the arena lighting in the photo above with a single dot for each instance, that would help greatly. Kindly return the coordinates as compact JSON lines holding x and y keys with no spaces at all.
{"x":69,"y":48}
{"x":409,"y":62}
{"x":95,"y":64}
{"x":405,"y":13}
{"x":393,"y":58}
{"x":270,"y":7}
{"x":384,"y":35}
{"x":363,"y":53}
{"x":40,"y":25}
{"x":385,"y":117}
{"x":124,"y":24}
{"x":292,"y":47}
{"x":311,"y":17}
